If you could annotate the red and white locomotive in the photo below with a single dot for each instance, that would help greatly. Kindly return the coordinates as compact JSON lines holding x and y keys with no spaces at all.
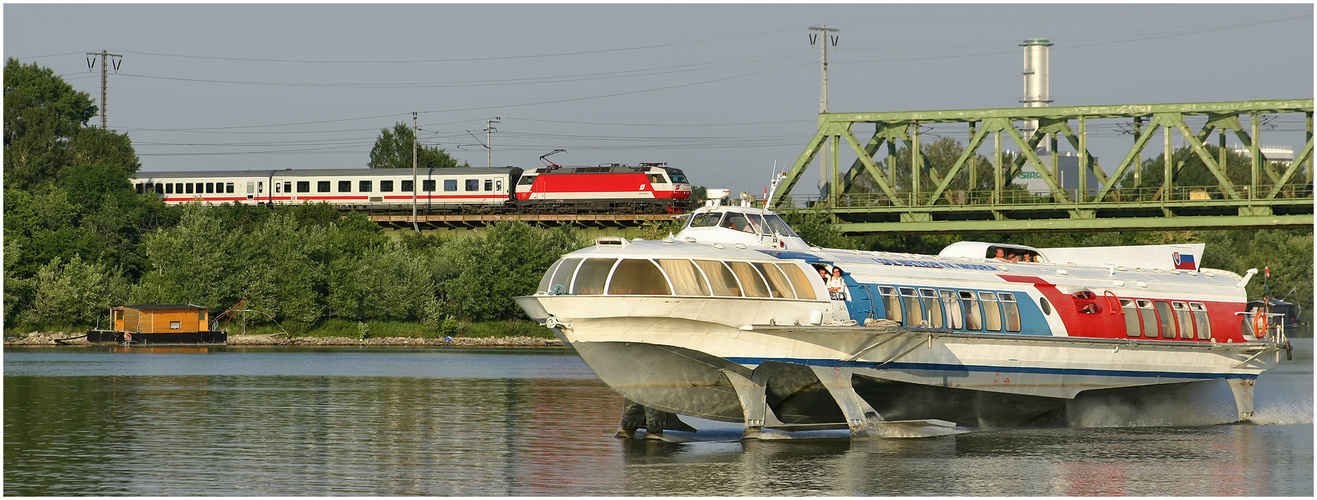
{"x":648,"y":187}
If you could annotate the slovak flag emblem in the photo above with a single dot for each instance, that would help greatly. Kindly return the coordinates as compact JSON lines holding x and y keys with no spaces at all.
{"x":1184,"y":261}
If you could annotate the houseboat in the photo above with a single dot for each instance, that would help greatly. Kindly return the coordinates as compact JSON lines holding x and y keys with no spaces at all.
{"x":158,"y":325}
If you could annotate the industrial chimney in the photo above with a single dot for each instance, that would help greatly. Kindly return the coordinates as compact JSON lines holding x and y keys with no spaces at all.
{"x":1037,"y":73}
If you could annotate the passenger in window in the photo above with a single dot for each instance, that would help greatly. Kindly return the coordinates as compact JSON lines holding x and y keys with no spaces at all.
{"x":837,"y":286}
{"x":1001,"y":255}
{"x":823,"y":275}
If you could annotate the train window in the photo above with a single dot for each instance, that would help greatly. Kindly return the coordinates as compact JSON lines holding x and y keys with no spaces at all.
{"x":1185,"y":320}
{"x":931,"y":307}
{"x":228,"y":187}
{"x":891,"y":303}
{"x":1200,"y":320}
{"x":251,"y":187}
{"x":169,"y":189}
{"x":159,"y":188}
{"x":778,"y":286}
{"x":277,"y":187}
{"x":187,"y":187}
{"x":991,"y":312}
{"x":386,"y":186}
{"x":656,"y":179}
{"x":1165,"y":319}
{"x":804,"y":289}
{"x":406,"y":186}
{"x":686,"y":279}
{"x":526,"y":181}
{"x":1148,"y":318}
{"x":450,"y":184}
{"x":288,"y":186}
{"x":973,"y":315}
{"x":706,"y":219}
{"x":1011,"y":310}
{"x":364,"y":186}
{"x":178,"y":187}
{"x":322,"y":186}
{"x":914,"y":314}
{"x":593,"y":275}
{"x":138,"y":187}
{"x":752,"y":283}
{"x":489,"y":184}
{"x":210,"y":188}
{"x":721,"y":280}
{"x":638,"y":277}
{"x":427,"y":185}
{"x":677,"y":177}
{"x":345,"y":186}
{"x":953,"y":309}
{"x":472,"y":185}
{"x":304,"y":186}
{"x":498,"y":185}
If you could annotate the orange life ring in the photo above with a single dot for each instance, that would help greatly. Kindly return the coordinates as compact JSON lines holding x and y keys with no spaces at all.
{"x":1259,"y":324}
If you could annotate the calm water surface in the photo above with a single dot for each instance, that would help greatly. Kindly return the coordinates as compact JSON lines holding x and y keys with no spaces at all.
{"x":336,"y":421}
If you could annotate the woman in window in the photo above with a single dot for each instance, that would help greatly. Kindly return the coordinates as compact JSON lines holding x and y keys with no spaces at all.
{"x":836,"y":286}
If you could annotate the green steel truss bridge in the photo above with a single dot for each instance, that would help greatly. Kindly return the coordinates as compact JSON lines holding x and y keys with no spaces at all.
{"x":1277,"y":195}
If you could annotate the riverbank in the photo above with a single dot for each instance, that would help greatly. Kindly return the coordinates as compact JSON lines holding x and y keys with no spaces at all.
{"x":62,"y":338}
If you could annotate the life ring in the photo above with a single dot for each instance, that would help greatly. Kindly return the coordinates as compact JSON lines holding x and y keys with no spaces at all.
{"x":1259,"y":324}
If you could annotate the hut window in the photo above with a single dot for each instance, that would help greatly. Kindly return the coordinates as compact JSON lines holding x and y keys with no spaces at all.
{"x":118,"y":315}
{"x":638,"y":277}
{"x":686,"y":279}
{"x":175,"y":325}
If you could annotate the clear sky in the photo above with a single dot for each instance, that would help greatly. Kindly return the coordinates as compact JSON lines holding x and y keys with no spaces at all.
{"x":722,"y":91}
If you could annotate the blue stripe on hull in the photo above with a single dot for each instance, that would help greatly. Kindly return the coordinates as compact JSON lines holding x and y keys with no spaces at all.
{"x":994,"y":369}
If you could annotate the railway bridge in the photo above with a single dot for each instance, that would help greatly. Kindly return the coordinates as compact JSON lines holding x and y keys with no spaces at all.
{"x":977,"y":193}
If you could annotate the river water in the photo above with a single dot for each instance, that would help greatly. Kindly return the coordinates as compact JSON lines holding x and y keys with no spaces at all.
{"x":266,"y":421}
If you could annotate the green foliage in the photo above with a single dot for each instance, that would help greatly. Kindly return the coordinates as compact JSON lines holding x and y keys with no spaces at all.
{"x":393,"y":149}
{"x":479,"y":275}
{"x":816,"y":229}
{"x":73,"y":292}
{"x":386,"y":283}
{"x":1189,"y":170}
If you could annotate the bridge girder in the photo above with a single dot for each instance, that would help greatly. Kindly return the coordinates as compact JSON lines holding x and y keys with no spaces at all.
{"x":1253,"y":205}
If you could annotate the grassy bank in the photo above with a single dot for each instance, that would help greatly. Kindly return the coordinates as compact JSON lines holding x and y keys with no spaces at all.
{"x":359,"y":330}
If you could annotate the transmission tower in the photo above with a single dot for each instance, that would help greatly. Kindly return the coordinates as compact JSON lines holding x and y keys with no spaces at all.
{"x":105,"y":62}
{"x":829,"y":35}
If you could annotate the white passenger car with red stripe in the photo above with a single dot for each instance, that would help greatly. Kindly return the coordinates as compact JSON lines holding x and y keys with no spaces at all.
{"x":732,"y":319}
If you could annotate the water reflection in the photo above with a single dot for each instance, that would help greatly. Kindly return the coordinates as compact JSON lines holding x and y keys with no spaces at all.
{"x":530,"y":423}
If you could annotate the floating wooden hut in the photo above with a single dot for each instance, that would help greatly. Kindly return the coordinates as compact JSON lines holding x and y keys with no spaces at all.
{"x":158,"y":324}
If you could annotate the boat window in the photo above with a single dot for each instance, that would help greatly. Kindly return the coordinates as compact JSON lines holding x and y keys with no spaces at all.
{"x":548,"y":277}
{"x":932,"y":307}
{"x":777,"y":225}
{"x":913,"y":313}
{"x":756,"y":222}
{"x":1200,"y":320}
{"x":737,"y":221}
{"x":686,"y":280}
{"x":1131,"y":313}
{"x":592,"y":276}
{"x":891,"y":302}
{"x":561,"y":283}
{"x":1184,"y":319}
{"x":778,"y":285}
{"x":955,"y":320}
{"x":799,"y":282}
{"x":1165,"y":319}
{"x":721,"y":280}
{"x":705,"y":219}
{"x":638,"y":277}
{"x":991,"y":313}
{"x":752,"y":283}
{"x":973,"y":315}
{"x":1010,"y":310}
{"x":1148,"y":318}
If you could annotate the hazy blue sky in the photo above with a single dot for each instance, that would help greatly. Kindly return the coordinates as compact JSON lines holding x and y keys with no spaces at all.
{"x":721,"y":91}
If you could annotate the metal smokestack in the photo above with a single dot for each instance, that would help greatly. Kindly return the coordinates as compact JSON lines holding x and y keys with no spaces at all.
{"x":1037,"y":75}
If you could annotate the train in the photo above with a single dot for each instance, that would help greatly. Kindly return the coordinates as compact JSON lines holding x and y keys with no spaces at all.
{"x":612,"y":187}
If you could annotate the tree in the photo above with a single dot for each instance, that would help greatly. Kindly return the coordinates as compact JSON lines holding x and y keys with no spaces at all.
{"x":393,"y":149}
